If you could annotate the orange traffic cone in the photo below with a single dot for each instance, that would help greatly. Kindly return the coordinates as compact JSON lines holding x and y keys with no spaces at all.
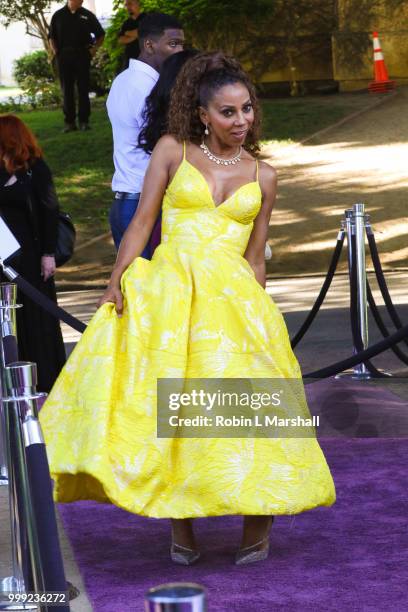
{"x":381,"y":83}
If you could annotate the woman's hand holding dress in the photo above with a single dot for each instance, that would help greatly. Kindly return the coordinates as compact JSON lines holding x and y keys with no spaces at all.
{"x":114,"y":295}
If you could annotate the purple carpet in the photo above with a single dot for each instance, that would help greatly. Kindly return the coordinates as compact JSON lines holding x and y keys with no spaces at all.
{"x":352,"y":556}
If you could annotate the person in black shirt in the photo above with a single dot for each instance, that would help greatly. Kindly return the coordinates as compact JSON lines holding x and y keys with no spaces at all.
{"x":75,"y":34}
{"x":128,"y":33}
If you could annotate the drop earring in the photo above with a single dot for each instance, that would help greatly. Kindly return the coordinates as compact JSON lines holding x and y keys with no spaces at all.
{"x":206,"y":131}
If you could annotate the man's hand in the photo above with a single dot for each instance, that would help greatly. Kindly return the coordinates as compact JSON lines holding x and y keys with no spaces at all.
{"x":128,"y":37}
{"x":53,"y":46}
{"x":48,"y":266}
{"x":113,"y":294}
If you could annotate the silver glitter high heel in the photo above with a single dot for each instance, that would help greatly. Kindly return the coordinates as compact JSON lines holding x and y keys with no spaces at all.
{"x":255,"y":552}
{"x":183,"y":555}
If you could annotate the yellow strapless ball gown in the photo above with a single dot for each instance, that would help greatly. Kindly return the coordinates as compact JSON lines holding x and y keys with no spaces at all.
{"x":195,"y":310}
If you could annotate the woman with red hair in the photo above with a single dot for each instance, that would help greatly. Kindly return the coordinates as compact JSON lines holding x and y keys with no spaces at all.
{"x":29,"y":206}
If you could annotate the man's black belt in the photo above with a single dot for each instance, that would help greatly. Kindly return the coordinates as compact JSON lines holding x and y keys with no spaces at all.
{"x":119,"y":195}
{"x":83,"y":48}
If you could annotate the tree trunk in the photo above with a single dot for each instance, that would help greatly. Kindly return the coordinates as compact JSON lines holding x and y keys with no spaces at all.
{"x":37,"y":26}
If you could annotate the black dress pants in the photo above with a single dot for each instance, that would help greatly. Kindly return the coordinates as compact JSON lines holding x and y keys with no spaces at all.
{"x":74,"y":69}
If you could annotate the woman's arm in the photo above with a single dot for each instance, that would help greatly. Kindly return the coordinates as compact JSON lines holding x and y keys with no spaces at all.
{"x":46,"y":209}
{"x":138,"y":232}
{"x":255,"y":251}
{"x":44,"y":194}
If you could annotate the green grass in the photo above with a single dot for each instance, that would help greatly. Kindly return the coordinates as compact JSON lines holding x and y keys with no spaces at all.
{"x":289,"y":120}
{"x":82,"y":165}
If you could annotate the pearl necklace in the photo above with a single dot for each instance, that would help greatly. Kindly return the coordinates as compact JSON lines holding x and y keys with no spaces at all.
{"x":219,"y":160}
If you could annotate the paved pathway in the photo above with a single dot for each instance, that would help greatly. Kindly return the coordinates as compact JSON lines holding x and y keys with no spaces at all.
{"x":363,"y":160}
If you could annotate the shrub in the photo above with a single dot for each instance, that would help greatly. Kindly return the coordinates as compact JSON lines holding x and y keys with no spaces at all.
{"x":13,"y":105}
{"x":41,"y":92}
{"x":101,"y":78}
{"x":34,"y":65}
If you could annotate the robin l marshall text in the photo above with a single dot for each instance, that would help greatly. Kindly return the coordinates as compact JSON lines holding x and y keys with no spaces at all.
{"x":240,"y":421}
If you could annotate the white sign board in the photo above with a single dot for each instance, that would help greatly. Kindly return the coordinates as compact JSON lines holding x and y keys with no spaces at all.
{"x":8,"y":243}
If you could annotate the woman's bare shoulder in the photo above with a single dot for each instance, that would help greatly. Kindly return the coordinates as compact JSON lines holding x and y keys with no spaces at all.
{"x":266,"y":170}
{"x":267,"y":176}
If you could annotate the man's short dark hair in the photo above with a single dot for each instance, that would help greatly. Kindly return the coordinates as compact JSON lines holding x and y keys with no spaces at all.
{"x":154,"y":24}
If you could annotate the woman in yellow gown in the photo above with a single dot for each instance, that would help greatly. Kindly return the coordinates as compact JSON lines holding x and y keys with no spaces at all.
{"x":198,"y":309}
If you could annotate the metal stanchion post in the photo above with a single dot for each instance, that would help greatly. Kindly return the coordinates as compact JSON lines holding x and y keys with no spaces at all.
{"x":20,"y":410}
{"x":176,"y":597}
{"x":361,"y":371}
{"x":354,"y":223}
{"x":8,"y":306}
{"x":348,"y":225}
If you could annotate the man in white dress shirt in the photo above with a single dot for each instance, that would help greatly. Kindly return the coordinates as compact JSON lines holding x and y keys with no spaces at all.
{"x":160,"y":36}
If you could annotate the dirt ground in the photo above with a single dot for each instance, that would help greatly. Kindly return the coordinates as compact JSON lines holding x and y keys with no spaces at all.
{"x":362,"y":160}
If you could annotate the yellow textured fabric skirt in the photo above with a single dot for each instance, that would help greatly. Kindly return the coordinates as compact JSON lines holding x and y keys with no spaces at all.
{"x":188,"y":313}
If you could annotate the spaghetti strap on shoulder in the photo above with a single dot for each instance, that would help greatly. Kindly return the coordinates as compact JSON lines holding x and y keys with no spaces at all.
{"x":257,"y":170}
{"x":184,"y":150}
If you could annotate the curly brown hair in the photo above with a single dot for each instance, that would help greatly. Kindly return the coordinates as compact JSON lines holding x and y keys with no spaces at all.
{"x":197,"y":82}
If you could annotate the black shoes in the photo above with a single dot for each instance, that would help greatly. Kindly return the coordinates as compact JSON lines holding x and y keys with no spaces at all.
{"x":69,"y":127}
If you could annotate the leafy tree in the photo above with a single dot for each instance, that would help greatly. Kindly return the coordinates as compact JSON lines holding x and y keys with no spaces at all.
{"x":239,"y":28}
{"x":261,"y":33}
{"x":302,"y":28}
{"x":113,"y":51}
{"x":32,"y":13}
{"x":211,"y":24}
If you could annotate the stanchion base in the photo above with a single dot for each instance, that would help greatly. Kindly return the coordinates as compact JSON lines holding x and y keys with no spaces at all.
{"x":359,"y":372}
{"x":13,"y":586}
{"x":6,"y":605}
{"x":365,"y":375}
{"x":354,"y":375}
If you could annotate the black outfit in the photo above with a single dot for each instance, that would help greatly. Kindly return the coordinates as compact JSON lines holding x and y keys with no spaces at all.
{"x":35,"y":228}
{"x":74,"y":34}
{"x":132,"y":50}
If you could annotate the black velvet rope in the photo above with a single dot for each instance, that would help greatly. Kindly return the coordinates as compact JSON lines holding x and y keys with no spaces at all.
{"x":45,"y":521}
{"x":362,"y":356}
{"x":323,"y":292}
{"x":382,"y":282}
{"x":48,"y":305}
{"x":381,"y":325}
{"x":10,"y":349}
{"x":13,"y":435}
